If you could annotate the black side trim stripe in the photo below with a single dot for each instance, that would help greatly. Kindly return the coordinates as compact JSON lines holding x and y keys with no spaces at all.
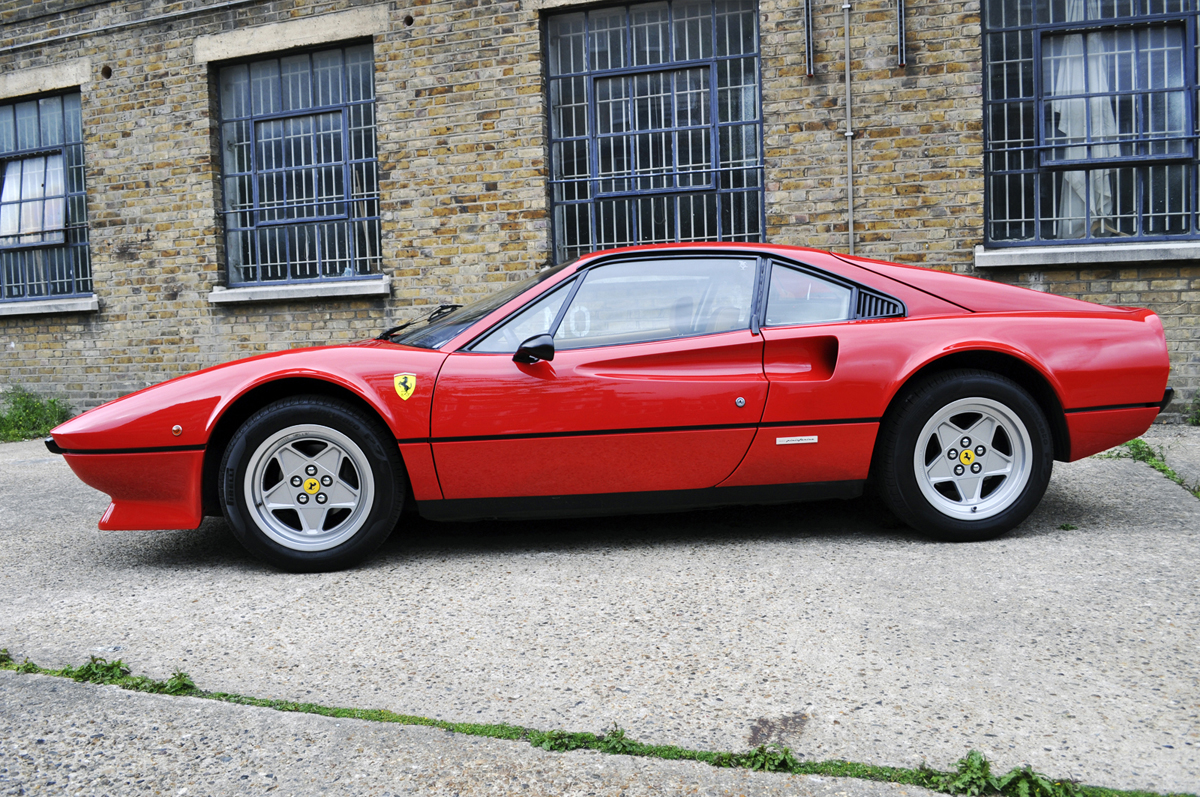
{"x":648,"y":430}
{"x":163,"y":450}
{"x":1148,"y":405}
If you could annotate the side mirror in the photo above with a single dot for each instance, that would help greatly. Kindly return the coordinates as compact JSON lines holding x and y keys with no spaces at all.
{"x":539,"y":347}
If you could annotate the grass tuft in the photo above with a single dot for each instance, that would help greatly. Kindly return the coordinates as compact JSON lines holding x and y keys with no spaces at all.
{"x":1141,"y":451}
{"x":972,"y":776}
{"x":27,"y":415}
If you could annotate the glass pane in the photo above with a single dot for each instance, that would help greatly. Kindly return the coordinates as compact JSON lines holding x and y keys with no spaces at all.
{"x":567,"y":46}
{"x":1011,"y":206}
{"x":614,"y":223}
{"x":645,"y":301}
{"x":698,"y":217}
{"x":692,"y":98}
{"x":613,"y":160}
{"x":737,"y":90}
{"x":12,"y":182}
{"x":568,"y":103}
{"x":296,"y":79}
{"x":27,"y":125}
{"x":693,"y":31}
{"x":607,"y":31}
{"x":360,"y":73}
{"x":796,"y":297}
{"x":612,"y":105}
{"x":1113,"y":208}
{"x":51,"y":113}
{"x":33,"y":178}
{"x":235,"y":146}
{"x":362,"y":132}
{"x":264,"y":87}
{"x":8,"y":136}
{"x":650,"y":33}
{"x":534,"y":320}
{"x":651,"y":101}
{"x":655,"y":219}
{"x":235,"y":91}
{"x":741,"y":216}
{"x":327,"y":77}
{"x":570,"y":165}
{"x":739,"y":156}
{"x":1168,"y":200}
{"x":72,"y":119}
{"x":737,"y":27}
{"x":572,"y":231}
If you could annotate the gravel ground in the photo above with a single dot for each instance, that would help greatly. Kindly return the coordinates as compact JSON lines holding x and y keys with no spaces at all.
{"x":818,"y":626}
{"x":80,"y":739}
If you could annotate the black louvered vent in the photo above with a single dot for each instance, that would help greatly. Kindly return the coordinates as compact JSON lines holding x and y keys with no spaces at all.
{"x":873,"y":305}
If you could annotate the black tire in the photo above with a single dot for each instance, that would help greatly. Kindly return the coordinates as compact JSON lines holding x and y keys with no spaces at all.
{"x":311,"y":484}
{"x":943,"y":497}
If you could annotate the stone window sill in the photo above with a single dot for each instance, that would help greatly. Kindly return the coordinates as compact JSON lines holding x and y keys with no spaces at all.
{"x":301,"y":291}
{"x":74,"y":304}
{"x":1109,"y":254}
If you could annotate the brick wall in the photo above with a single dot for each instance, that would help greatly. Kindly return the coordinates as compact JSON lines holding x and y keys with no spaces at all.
{"x":462,"y":161}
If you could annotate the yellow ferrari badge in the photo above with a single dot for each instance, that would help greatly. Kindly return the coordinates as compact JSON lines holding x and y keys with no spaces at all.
{"x":405,"y":385}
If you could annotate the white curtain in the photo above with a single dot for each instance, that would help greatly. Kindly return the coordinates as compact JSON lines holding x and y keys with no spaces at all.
{"x":1079,"y":71}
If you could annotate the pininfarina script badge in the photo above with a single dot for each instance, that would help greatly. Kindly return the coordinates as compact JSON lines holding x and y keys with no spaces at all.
{"x":791,"y":441}
{"x":405,"y":385}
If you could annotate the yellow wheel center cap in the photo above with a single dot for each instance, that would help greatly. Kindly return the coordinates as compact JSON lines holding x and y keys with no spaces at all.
{"x":966,"y":457}
{"x":312,"y":486}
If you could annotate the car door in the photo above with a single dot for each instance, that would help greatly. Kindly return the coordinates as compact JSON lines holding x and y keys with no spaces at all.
{"x":656,"y":384}
{"x":826,"y":368}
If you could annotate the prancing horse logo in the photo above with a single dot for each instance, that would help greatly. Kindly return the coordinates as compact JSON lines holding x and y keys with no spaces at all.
{"x":405,"y":385}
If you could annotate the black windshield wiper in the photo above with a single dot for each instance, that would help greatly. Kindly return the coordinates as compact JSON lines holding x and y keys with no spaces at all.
{"x":438,"y":313}
{"x":442,"y":310}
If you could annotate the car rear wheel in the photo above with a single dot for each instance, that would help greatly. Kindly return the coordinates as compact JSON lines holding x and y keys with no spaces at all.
{"x":966,"y":456}
{"x":310,"y":484}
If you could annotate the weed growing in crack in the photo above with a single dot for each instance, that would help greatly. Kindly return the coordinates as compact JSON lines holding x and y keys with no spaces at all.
{"x":972,"y":776}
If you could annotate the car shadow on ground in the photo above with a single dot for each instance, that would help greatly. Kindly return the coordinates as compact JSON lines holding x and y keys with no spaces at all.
{"x":856,"y":521}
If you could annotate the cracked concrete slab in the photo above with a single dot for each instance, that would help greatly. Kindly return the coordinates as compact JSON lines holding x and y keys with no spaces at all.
{"x":98,"y":740}
{"x":1180,"y":448}
{"x":819,"y":626}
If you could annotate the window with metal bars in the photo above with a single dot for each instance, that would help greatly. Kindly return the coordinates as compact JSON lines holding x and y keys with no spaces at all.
{"x":655,"y":125}
{"x":1091,"y":123}
{"x":43,"y":214}
{"x":299,"y":167}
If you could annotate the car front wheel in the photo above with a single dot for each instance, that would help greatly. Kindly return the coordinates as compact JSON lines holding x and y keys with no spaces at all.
{"x":309,"y":484}
{"x":966,"y":456}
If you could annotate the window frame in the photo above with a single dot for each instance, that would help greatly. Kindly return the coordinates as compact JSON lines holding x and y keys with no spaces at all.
{"x":256,"y":210}
{"x":74,"y":248}
{"x":1044,"y":167}
{"x":560,"y":251}
{"x":758,"y":302}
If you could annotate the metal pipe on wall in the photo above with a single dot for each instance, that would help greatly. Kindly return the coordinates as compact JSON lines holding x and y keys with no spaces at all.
{"x":849,"y":134}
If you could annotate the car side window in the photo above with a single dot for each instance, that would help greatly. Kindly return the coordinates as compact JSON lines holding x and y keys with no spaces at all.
{"x":536,"y":319}
{"x":797,"y":297}
{"x":643,"y":301}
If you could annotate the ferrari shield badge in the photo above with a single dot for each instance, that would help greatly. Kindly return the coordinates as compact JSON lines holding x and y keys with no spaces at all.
{"x":405,"y":385}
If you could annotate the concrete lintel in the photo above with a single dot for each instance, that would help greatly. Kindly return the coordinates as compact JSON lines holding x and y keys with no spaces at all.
{"x":340,"y":25}
{"x":302,"y":291}
{"x":1109,"y":254}
{"x":63,"y":75}
{"x":76,"y":304}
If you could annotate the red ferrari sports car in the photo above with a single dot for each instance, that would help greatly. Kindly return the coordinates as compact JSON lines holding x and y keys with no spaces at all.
{"x":636,"y":380}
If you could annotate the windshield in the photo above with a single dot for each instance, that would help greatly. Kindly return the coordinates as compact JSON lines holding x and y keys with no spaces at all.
{"x":437,"y":333}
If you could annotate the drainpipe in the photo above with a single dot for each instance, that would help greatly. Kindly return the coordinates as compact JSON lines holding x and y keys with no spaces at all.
{"x":849,"y":134}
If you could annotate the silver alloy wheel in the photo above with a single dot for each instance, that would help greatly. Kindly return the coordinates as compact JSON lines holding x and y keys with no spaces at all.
{"x":309,"y":487}
{"x":973,"y":459}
